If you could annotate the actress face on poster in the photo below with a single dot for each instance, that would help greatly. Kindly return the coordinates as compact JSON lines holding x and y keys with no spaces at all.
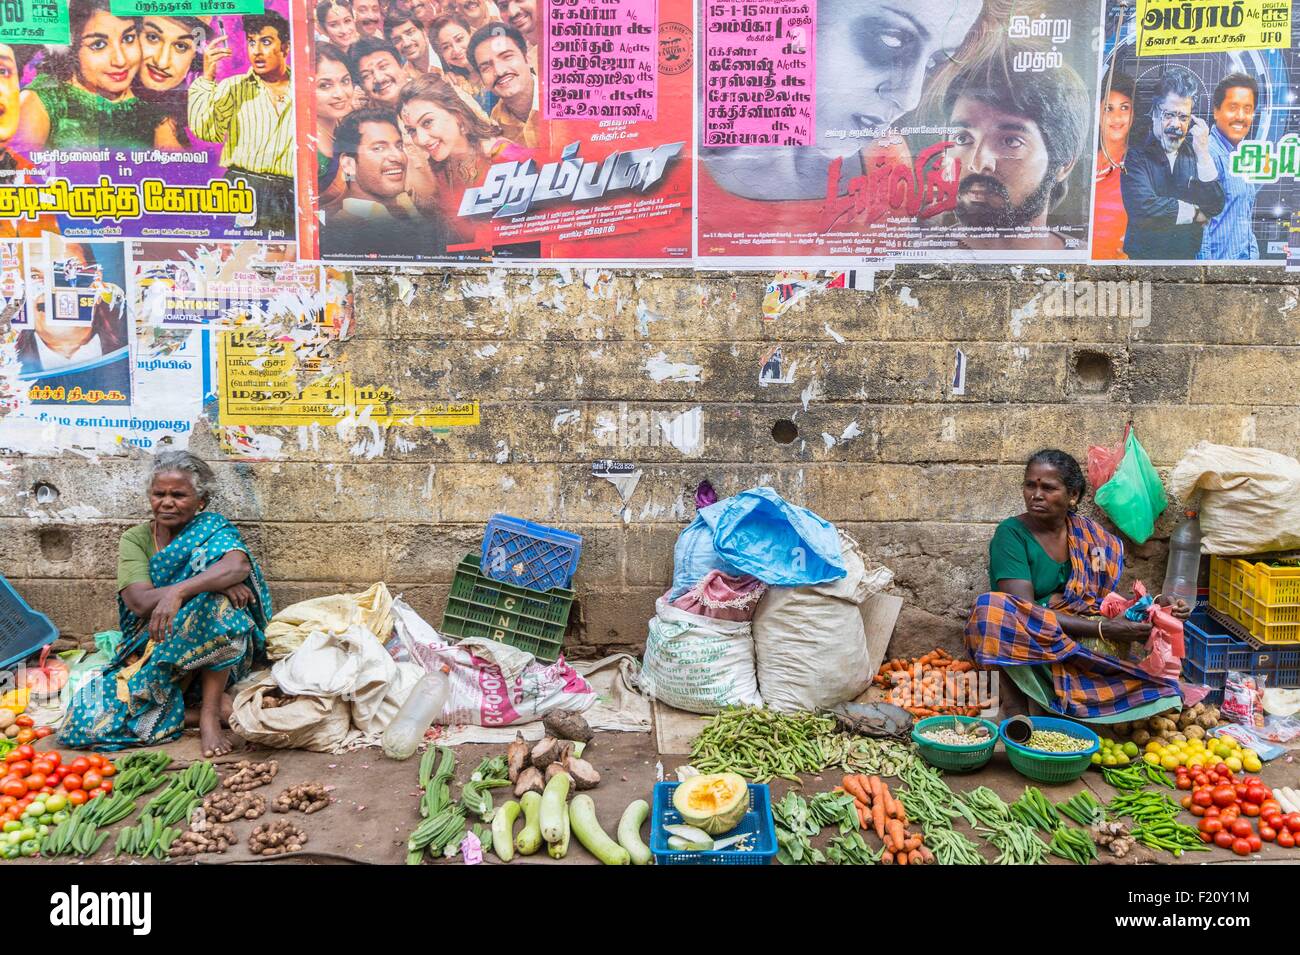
{"x":108,"y":56}
{"x":337,"y":23}
{"x":336,"y":95}
{"x":1116,"y":123}
{"x":452,"y":43}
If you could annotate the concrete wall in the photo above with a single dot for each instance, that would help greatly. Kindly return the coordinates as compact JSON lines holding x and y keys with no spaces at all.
{"x":558,"y":362}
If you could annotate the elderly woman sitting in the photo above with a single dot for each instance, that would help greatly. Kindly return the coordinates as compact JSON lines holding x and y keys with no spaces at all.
{"x":1041,"y":622}
{"x":191,"y":601}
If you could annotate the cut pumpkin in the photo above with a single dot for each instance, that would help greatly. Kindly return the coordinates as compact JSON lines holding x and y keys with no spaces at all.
{"x":715,"y":803}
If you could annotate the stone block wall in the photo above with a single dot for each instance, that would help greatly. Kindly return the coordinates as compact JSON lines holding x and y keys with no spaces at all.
{"x":662,"y":370}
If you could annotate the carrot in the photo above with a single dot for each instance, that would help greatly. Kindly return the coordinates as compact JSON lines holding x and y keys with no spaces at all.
{"x":900,"y":858}
{"x":862,"y":815}
{"x":853,"y":786}
{"x":914,"y":858}
{"x":872,"y":785}
{"x":926,"y":855}
{"x":878,"y":818}
{"x":887,"y":858}
{"x":913,"y":842}
{"x":897,"y":833}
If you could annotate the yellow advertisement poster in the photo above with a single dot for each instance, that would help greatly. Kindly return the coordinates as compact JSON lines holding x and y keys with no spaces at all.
{"x":1202,"y":26}
{"x":258,"y":385}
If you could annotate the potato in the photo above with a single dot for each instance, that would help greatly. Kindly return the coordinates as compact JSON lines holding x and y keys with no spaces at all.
{"x":1206,"y":722}
{"x":1141,"y":737}
{"x":12,"y":731}
{"x":1186,"y":718}
{"x":1195,"y":732}
{"x":1162,"y":724}
{"x":1179,"y":738}
{"x":7,"y":718}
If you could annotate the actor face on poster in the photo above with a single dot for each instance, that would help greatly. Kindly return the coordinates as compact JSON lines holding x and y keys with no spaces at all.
{"x":1171,"y":186}
{"x":1231,"y":234}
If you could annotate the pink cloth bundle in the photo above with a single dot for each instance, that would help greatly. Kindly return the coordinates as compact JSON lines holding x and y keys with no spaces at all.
{"x":723,"y":597}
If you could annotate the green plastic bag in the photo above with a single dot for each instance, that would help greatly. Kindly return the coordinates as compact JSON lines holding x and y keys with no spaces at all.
{"x":1134,"y":497}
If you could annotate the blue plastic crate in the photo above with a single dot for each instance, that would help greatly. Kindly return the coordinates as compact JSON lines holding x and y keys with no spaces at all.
{"x":1213,"y":649}
{"x":23,"y":630}
{"x":758,"y":820}
{"x":519,"y":552}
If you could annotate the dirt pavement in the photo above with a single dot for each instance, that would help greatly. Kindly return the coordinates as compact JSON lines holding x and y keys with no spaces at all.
{"x":376,"y":801}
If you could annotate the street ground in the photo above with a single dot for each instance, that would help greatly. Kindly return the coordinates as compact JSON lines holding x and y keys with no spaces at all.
{"x":376,"y":801}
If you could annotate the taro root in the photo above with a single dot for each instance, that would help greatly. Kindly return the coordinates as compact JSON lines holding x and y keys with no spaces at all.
{"x":566,"y":724}
{"x":545,"y":752}
{"x":249,"y":775}
{"x":517,"y":756}
{"x":275,"y":838}
{"x":530,"y":780}
{"x":583,"y":773}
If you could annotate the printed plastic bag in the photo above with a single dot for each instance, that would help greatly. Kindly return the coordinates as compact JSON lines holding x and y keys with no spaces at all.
{"x":490,"y":683}
{"x":810,"y":642}
{"x":1134,"y":498}
{"x":1249,"y":738}
{"x":781,"y":544}
{"x":1243,"y":699}
{"x":1250,"y":498}
{"x":699,"y":664}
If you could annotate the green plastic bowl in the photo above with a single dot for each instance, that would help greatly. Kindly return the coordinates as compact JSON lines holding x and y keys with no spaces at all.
{"x":1047,"y":767}
{"x":954,"y":759}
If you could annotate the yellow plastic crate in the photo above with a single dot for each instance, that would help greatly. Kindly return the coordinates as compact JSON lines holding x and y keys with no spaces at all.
{"x":1263,"y":599}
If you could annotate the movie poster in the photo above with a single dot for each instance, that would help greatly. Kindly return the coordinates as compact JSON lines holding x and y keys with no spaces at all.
{"x":144,"y":126}
{"x":479,"y":131}
{"x":833,"y":131}
{"x":1197,"y":149}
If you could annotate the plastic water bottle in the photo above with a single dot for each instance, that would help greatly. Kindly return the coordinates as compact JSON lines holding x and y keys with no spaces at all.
{"x":1184,"y":560}
{"x":404,"y":734}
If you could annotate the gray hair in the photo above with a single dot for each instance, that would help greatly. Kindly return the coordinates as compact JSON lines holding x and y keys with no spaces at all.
{"x":183,"y":462}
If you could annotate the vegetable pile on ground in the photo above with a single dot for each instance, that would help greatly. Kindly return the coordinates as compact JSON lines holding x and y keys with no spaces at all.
{"x":1195,"y":722}
{"x":762,"y":745}
{"x":248,"y":775}
{"x":227,"y":807}
{"x":531,"y":768}
{"x":31,"y":776}
{"x":216,"y":837}
{"x":934,"y":684}
{"x":276,"y":838}
{"x":305,"y":798}
{"x":888,"y":818}
{"x":1226,"y":804}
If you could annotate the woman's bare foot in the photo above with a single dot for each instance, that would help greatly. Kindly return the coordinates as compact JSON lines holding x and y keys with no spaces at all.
{"x":227,"y":707}
{"x":213,"y":711}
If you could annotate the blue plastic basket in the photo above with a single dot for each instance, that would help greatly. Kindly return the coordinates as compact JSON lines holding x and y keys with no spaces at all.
{"x":1048,"y":767}
{"x":758,"y":820}
{"x":23,"y":630}
{"x":519,"y":552}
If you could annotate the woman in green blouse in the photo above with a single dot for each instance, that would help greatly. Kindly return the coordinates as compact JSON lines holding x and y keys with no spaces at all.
{"x":84,"y":98}
{"x":193,"y":609}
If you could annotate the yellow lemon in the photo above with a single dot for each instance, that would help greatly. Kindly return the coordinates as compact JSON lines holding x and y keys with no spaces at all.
{"x":1152,"y":746}
{"x":1252,"y":764}
{"x":1152,"y":758}
{"x":1170,"y":762}
{"x":1233,"y":763}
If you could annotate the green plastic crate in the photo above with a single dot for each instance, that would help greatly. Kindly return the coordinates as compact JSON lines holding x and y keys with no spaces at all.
{"x":531,"y":620}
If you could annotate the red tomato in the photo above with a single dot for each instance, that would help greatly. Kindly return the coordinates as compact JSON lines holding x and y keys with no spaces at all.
{"x":1224,"y":839}
{"x":14,"y":787}
{"x":35,"y":781}
{"x":1293,"y":822}
{"x":1210,"y":825}
{"x":1241,"y":847}
{"x":77,"y":796}
{"x":91,"y":780}
{"x":1203,"y":798}
{"x":1212,"y":811}
{"x":1205,"y":837}
{"x":1186,"y":802}
{"x":1270,"y":803}
{"x":7,"y":801}
{"x":105,"y":787}
{"x":1285,"y":839}
{"x":43,"y":731}
{"x":80,"y":764}
{"x":25,"y":752}
{"x":107,"y":769}
{"x":1240,"y":828}
{"x":1256,"y":794}
{"x":1196,"y":810}
{"x":25,"y":721}
{"x":22,"y":767}
{"x":1183,"y":783}
{"x":1267,"y":833}
{"x":42,"y":766}
{"x":1200,"y":779}
{"x":53,"y":757}
{"x":1250,"y":809}
{"x":96,"y":793}
{"x":72,"y":781}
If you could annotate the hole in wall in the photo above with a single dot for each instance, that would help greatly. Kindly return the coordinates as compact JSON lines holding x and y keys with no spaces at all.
{"x":1093,"y":373}
{"x":56,"y":543}
{"x":45,"y":492}
{"x":784,"y":431}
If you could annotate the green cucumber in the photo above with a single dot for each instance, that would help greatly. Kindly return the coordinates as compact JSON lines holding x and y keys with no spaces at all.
{"x":554,"y":811}
{"x":560,"y":847}
{"x":582,"y":817}
{"x":629,"y":831}
{"x":529,"y":839}
{"x":503,"y":831}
